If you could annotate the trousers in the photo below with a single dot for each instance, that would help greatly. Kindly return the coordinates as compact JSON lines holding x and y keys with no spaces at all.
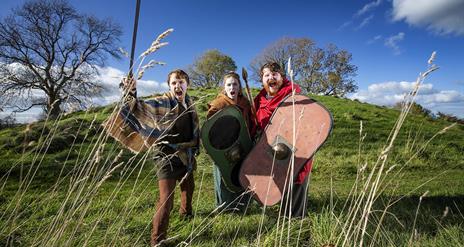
{"x":165,"y":204}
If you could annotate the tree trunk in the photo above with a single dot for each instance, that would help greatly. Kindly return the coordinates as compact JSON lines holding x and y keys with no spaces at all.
{"x":53,"y":107}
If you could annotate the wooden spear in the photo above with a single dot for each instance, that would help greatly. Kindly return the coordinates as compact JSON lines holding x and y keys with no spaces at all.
{"x":134,"y":39}
{"x":249,"y":95}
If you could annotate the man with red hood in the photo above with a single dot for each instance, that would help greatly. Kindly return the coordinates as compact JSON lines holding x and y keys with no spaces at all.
{"x":275,"y":88}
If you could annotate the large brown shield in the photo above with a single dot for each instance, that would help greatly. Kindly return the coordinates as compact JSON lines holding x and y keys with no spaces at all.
{"x":265,"y":171}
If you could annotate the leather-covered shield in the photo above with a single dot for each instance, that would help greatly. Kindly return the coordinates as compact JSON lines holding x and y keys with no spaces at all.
{"x":265,"y":170}
{"x":227,"y":141}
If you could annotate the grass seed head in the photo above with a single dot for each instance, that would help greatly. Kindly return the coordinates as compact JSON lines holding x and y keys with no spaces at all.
{"x":156,"y":44}
{"x":432,"y":57}
{"x":445,"y":212}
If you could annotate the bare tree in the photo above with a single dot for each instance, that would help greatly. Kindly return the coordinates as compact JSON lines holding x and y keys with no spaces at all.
{"x":300,"y":49}
{"x":49,"y":55}
{"x":321,"y":71}
{"x":208,"y":69}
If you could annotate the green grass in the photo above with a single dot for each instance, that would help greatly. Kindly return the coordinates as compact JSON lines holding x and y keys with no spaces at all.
{"x":119,"y":211}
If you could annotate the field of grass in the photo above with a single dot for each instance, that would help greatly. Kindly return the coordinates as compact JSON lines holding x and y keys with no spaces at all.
{"x":61,"y":186}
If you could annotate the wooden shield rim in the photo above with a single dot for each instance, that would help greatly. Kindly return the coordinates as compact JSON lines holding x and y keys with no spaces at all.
{"x":270,"y":119}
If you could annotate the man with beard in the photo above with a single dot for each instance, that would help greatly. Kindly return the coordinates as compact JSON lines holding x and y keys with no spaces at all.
{"x":275,"y":88}
{"x":170,"y":122}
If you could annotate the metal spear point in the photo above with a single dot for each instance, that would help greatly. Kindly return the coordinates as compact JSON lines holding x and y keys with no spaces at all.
{"x":244,"y":74}
{"x":290,"y":73}
{"x":289,"y":69}
{"x":245,"y":78}
{"x":250,"y":97}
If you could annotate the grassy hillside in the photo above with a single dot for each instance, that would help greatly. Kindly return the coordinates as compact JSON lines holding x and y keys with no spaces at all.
{"x":63,"y":184}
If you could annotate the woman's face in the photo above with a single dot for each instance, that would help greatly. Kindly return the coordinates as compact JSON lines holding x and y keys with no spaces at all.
{"x":232,"y":88}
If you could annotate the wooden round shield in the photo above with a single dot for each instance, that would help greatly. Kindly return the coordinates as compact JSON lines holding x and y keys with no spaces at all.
{"x":227,"y":141}
{"x":296,"y":130}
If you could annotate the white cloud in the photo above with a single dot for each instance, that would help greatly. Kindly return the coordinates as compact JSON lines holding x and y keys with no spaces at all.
{"x":399,"y":88}
{"x":393,"y":41}
{"x":440,"y":16}
{"x":366,"y":8}
{"x":109,"y":77}
{"x":375,"y":39}
{"x":365,"y":21}
{"x":390,"y":93}
{"x":345,"y":25}
{"x":446,"y":96}
{"x":24,"y":117}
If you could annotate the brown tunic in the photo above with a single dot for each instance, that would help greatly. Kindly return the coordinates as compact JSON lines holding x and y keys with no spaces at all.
{"x":181,"y":131}
{"x":222,"y":101}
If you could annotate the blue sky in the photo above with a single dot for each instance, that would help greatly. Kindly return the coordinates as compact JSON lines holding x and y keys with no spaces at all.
{"x":391,"y":41}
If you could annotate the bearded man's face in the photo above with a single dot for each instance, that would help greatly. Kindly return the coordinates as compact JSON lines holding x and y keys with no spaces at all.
{"x":272,"y":81}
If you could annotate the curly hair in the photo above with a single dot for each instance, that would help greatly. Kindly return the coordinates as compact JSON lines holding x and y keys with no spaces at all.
{"x":273,"y":67}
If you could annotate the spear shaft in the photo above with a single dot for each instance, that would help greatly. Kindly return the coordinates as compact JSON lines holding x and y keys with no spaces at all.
{"x":134,"y":37}
{"x":250,"y":96}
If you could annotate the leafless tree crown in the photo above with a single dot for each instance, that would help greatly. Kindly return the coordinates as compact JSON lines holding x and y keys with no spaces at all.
{"x":49,"y":55}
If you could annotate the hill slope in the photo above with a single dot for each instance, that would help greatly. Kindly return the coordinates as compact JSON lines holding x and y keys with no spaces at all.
{"x":342,"y":153}
{"x":63,"y":184}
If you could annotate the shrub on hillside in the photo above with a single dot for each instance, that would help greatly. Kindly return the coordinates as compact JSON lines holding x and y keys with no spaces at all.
{"x":416,"y":109}
{"x":56,"y":144}
{"x":449,"y":118}
{"x":7,"y":122}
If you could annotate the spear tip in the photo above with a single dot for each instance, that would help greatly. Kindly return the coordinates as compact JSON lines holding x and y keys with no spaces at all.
{"x":244,"y":74}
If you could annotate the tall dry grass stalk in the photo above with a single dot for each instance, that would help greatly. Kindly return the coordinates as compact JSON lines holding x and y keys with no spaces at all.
{"x":92,"y":168}
{"x":157,"y":44}
{"x":358,"y":209}
{"x":415,"y":218}
{"x":99,"y":162}
{"x":150,"y":64}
